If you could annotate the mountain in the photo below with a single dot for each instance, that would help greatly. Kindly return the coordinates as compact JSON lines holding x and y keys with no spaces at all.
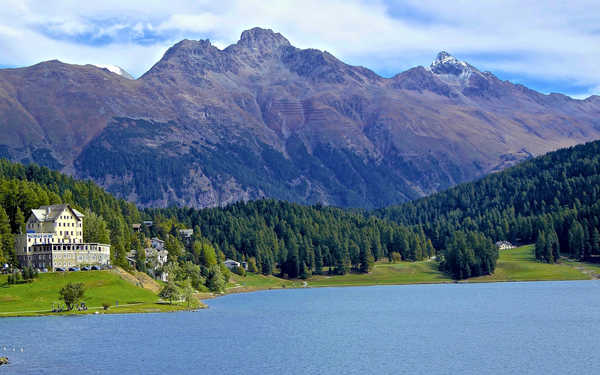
{"x":115,"y":69}
{"x":206,"y":127}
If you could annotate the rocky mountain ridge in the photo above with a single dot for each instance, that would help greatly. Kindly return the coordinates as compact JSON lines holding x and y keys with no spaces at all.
{"x":206,"y":126}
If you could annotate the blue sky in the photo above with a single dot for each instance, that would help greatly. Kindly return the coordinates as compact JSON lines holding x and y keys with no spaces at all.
{"x":550,"y":46}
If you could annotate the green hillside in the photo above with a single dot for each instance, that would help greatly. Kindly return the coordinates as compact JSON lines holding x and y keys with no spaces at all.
{"x":37,"y":297}
{"x":553,"y":198}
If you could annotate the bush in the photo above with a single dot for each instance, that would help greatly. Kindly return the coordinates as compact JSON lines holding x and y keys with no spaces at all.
{"x":105,"y":305}
{"x":239,"y":270}
{"x":72,"y":293}
{"x":14,"y":278}
{"x":252,"y":265}
{"x":395,"y":257}
{"x":170,"y":292}
{"x":29,"y":273}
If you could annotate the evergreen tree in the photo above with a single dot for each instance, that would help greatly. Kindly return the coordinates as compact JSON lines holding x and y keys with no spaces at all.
{"x":95,"y":228}
{"x":366,"y":261}
{"x":19,"y":222}
{"x":595,"y":242}
{"x":576,"y":240}
{"x":216,"y":280}
{"x":540,"y":246}
{"x":6,"y":238}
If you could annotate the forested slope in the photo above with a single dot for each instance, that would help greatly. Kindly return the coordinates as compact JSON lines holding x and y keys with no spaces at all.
{"x":300,"y":239}
{"x":276,"y":237}
{"x":552,"y":199}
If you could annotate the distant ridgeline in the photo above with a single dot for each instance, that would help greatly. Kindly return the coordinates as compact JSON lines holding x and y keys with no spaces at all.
{"x":551,"y":200}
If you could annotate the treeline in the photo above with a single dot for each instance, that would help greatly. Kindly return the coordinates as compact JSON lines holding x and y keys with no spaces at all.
{"x":278,"y":237}
{"x":274,"y":237}
{"x":552,"y":200}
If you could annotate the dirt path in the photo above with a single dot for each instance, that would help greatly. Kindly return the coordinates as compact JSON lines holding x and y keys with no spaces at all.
{"x":588,"y":272}
{"x":139,"y":279}
{"x":50,"y":312}
{"x":581,"y":268}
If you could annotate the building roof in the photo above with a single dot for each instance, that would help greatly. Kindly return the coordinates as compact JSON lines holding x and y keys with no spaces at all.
{"x":156,"y":239}
{"x":52,"y":212}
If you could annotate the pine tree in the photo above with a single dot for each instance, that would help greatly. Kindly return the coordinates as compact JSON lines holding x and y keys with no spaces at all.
{"x":7,"y":244}
{"x":366,"y":260}
{"x":595,"y":241}
{"x":553,"y":248}
{"x":540,"y":246}
{"x":19,"y":222}
{"x":576,"y":240}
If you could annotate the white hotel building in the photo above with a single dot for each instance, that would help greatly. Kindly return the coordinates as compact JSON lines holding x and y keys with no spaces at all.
{"x":54,"y":239}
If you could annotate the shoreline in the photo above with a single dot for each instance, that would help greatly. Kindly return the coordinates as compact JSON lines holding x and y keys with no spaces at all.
{"x":516,"y":265}
{"x":203,"y":306}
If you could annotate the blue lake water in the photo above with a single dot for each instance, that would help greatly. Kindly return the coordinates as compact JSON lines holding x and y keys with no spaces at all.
{"x":503,"y":328}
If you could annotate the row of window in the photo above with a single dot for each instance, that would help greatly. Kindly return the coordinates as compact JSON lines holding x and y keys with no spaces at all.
{"x":66,"y":247}
{"x":52,"y":240}
{"x":39,"y":225}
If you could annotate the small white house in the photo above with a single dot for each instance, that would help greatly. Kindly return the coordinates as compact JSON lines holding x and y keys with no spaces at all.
{"x":504,"y":245}
{"x":186,"y":233}
{"x":231,"y":264}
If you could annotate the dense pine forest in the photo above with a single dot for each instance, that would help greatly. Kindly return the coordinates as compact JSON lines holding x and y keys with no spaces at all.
{"x":273,"y":237}
{"x":551,"y":200}
{"x":300,"y":240}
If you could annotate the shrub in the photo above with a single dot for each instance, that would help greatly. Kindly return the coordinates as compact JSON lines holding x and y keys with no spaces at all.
{"x":239,"y":270}
{"x":395,"y":257}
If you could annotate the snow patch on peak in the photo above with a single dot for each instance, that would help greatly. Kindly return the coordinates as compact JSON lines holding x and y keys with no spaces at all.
{"x":115,"y":69}
{"x":444,"y":58}
{"x":450,"y":69}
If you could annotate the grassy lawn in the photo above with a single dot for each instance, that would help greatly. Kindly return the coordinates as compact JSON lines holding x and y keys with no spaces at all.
{"x":520,"y":265}
{"x":36,"y":298}
{"x":517,"y":264}
{"x":387,"y":273}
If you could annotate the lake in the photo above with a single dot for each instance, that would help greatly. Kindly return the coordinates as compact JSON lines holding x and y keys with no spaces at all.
{"x":524,"y":328}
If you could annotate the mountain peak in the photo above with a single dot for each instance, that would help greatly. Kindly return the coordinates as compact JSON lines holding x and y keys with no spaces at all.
{"x":259,"y":38}
{"x":445,"y":63}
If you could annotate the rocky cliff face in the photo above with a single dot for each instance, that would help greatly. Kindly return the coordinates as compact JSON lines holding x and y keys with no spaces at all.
{"x":207,"y":127}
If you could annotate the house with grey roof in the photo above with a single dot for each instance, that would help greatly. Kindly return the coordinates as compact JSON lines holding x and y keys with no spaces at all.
{"x":54,"y":239}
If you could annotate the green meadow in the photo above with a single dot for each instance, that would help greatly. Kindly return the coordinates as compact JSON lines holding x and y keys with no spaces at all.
{"x":517,"y":264}
{"x":37,"y":297}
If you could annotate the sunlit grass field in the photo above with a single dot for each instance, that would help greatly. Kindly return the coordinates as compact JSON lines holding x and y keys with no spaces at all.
{"x":37,"y":297}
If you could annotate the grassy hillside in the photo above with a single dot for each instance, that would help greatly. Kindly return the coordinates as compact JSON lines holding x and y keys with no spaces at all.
{"x":513,"y":265}
{"x":36,"y":298}
{"x":424,"y":272}
{"x":520,"y":265}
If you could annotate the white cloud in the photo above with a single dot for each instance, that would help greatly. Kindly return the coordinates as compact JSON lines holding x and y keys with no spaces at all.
{"x":552,"y":41}
{"x":203,"y":22}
